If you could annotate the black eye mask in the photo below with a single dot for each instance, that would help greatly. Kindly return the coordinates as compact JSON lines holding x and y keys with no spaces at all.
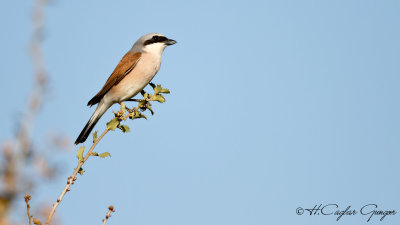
{"x":155,"y":39}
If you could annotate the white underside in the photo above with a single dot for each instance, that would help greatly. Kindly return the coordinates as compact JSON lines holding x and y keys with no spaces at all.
{"x":144,"y":71}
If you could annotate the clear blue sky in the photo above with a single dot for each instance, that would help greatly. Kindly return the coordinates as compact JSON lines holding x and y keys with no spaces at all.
{"x":275,"y":105}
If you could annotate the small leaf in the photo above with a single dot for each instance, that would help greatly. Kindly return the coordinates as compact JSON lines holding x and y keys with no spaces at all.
{"x":104,"y":154}
{"x":94,"y":154}
{"x":81,"y":171}
{"x":94,"y":136}
{"x":145,"y":96}
{"x":157,"y":89}
{"x":158,"y":98}
{"x":132,"y":115}
{"x":36,"y":221}
{"x":124,"y":128}
{"x":165,"y":91}
{"x":112,"y":124}
{"x":136,"y":115}
{"x":122,"y":108}
{"x":141,"y":103}
{"x":151,"y":110}
{"x":79,"y":154}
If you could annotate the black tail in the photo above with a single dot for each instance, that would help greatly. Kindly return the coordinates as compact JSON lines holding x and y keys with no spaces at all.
{"x":100,"y":110}
{"x":86,"y":131}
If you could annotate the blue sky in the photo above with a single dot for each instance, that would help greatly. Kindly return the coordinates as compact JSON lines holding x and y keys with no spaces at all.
{"x":274,"y":105}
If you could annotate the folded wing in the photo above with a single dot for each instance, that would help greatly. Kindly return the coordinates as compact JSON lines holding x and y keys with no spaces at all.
{"x":126,"y":65}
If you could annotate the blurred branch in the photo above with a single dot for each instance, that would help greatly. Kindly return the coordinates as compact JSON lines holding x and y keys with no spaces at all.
{"x":19,"y":151}
{"x":108,"y":215}
{"x":40,"y":83}
{"x":28,"y":207}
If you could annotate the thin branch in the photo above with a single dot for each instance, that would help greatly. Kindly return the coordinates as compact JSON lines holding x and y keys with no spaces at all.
{"x":73,"y":177}
{"x":108,"y":215}
{"x":111,"y":125}
{"x":41,"y":79}
{"x":28,"y":207}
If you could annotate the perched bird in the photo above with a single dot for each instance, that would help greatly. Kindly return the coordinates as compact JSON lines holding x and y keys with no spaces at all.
{"x":135,"y":70}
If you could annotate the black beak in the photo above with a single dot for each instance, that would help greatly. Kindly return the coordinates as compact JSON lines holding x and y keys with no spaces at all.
{"x":170,"y":42}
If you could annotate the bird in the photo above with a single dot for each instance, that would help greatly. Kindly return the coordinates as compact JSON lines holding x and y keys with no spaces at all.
{"x":132,"y":74}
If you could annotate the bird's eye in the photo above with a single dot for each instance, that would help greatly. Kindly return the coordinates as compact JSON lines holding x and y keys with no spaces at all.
{"x":155,"y":38}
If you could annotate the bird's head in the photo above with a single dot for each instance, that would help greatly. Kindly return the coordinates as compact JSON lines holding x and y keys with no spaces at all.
{"x":152,"y":43}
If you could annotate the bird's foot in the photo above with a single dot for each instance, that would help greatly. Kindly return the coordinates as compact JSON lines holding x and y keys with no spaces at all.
{"x":133,"y":100}
{"x":130,"y":110}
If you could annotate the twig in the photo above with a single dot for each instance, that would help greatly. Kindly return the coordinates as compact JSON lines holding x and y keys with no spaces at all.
{"x":111,"y":125}
{"x":40,"y":84}
{"x":73,"y":177}
{"x":28,"y":207}
{"x":108,"y":215}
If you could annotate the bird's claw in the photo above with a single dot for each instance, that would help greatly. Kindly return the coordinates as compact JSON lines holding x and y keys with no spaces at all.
{"x":133,"y":100}
{"x":130,"y":110}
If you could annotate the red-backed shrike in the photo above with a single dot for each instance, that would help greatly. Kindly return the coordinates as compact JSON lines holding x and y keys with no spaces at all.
{"x":135,"y":70}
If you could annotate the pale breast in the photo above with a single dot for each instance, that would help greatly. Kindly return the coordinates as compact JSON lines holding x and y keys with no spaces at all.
{"x":137,"y":79}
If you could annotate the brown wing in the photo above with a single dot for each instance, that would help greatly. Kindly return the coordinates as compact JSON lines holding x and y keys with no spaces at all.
{"x":126,"y":65}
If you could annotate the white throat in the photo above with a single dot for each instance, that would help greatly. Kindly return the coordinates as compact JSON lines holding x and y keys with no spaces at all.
{"x":155,"y":48}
